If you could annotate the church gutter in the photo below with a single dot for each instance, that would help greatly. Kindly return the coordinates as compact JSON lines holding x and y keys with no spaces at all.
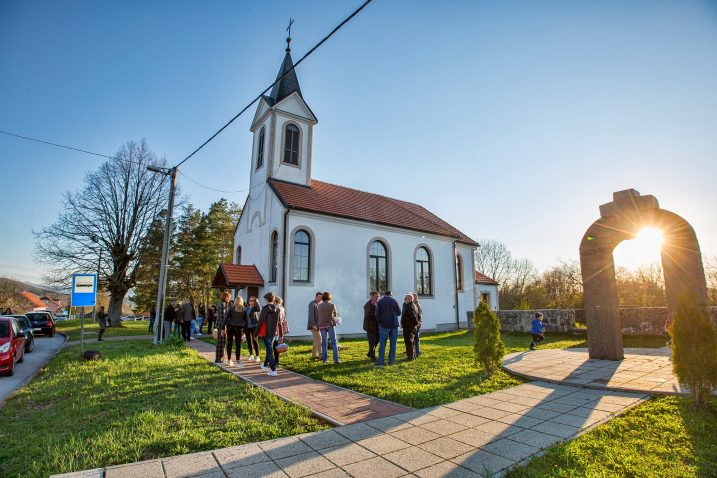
{"x":455,"y":281}
{"x":284,"y":258}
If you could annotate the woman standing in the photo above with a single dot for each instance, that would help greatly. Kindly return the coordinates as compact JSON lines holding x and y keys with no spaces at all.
{"x":223,"y":312}
{"x":409,"y":321}
{"x":417,"y":332}
{"x":268,"y":329}
{"x":252,"y":317}
{"x":211,"y":317}
{"x":235,"y":329}
{"x":327,"y":324}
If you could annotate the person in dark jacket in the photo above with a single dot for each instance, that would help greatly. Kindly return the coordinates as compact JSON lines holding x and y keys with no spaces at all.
{"x":387,"y":313}
{"x":235,"y":329}
{"x":409,"y":322}
{"x":186,"y":315}
{"x":252,"y":317}
{"x":312,"y":325}
{"x":170,"y":315}
{"x":201,"y":312}
{"x":211,"y":318}
{"x":152,"y":319}
{"x":268,"y":330}
{"x":102,"y":320}
{"x":370,"y":325}
{"x":223,"y":312}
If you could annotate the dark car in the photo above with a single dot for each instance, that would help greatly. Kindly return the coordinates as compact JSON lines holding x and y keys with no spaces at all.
{"x":26,"y":327}
{"x":12,"y":345}
{"x":42,"y":323}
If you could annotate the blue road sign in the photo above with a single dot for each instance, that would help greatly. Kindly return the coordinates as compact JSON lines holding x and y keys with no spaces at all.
{"x":84,"y":290}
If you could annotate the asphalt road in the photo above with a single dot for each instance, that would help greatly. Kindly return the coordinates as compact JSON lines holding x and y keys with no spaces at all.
{"x":45,"y":348}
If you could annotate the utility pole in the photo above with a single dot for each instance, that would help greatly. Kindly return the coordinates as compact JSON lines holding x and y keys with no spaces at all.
{"x":163,"y":266}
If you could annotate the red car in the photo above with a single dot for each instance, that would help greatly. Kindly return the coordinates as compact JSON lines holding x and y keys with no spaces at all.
{"x":12,"y":345}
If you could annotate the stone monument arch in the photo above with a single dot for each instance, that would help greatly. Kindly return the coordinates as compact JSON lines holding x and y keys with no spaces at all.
{"x":620,"y":220}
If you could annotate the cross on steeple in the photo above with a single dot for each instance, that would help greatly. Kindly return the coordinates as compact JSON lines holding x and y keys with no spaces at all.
{"x":288,"y":38}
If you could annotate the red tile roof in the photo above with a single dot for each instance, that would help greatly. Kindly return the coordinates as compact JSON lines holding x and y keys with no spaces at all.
{"x":333,"y":200}
{"x":233,"y":275}
{"x":481,"y":278}
{"x":33,"y":299}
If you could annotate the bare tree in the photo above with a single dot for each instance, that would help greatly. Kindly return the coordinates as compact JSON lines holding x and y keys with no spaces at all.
{"x":494,"y":260}
{"x":112,"y":213}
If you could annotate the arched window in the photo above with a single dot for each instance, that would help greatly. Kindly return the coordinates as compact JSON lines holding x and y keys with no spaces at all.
{"x":260,"y":149}
{"x":237,"y":256}
{"x":302,"y":256}
{"x":274,"y":273}
{"x":459,"y":272}
{"x":378,"y":267}
{"x":291,"y":144}
{"x":423,"y":271}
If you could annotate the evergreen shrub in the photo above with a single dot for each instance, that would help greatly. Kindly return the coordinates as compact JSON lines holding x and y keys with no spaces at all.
{"x":488,"y":346}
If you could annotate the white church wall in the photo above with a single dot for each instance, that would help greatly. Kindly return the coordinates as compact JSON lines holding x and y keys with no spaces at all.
{"x":340,"y":265}
{"x":466,"y":296}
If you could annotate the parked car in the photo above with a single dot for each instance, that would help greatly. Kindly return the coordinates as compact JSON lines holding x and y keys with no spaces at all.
{"x":61,"y":317}
{"x":12,"y":345}
{"x":26,"y":327}
{"x":42,"y":322}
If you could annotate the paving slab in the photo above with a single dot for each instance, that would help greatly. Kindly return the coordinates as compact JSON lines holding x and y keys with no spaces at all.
{"x":480,"y":436}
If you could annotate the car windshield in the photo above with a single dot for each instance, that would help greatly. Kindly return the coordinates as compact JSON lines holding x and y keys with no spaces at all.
{"x":37,"y":316}
{"x":4,"y":328}
{"x":23,"y":322}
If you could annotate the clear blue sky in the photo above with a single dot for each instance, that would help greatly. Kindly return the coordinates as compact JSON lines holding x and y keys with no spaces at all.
{"x":511,"y":120}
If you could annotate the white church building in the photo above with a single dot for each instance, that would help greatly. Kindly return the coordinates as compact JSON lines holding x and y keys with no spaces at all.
{"x":297,"y":236}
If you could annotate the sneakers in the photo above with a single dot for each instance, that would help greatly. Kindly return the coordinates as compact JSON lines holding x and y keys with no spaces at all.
{"x":239,"y":364}
{"x":251,"y":358}
{"x":262,"y":366}
{"x":272,"y":373}
{"x":218,"y":361}
{"x":231,"y":363}
{"x":257,"y":359}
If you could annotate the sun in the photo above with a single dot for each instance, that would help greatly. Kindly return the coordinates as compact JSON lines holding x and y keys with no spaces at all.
{"x":644,"y":249}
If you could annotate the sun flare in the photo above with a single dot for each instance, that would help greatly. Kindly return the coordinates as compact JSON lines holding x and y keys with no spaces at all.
{"x":644,"y":249}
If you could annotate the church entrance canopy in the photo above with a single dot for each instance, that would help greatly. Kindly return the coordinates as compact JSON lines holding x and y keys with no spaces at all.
{"x":233,"y":276}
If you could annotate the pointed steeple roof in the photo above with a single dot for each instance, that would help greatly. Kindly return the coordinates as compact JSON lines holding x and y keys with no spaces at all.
{"x":289,"y":83}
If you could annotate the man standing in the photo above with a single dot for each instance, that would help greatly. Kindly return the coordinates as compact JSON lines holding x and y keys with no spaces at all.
{"x":313,"y":326}
{"x":417,"y":332}
{"x":387,"y":313}
{"x":186,"y":316}
{"x":102,"y":320}
{"x":170,"y":315}
{"x":222,"y":317}
{"x":370,"y":325}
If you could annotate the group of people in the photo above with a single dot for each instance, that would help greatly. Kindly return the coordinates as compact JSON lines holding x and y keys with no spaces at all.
{"x":322,"y":322}
{"x":182,"y":318}
{"x":381,"y":319}
{"x":236,"y":321}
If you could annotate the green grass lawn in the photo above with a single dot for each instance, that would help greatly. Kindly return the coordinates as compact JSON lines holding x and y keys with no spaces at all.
{"x":137,"y":403}
{"x":664,"y":437}
{"x":72,"y":328}
{"x":444,"y":373}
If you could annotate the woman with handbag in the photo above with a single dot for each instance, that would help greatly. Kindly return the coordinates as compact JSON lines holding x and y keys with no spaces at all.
{"x":327,"y":324}
{"x":279,"y":346}
{"x":252,"y":317}
{"x":235,"y":329}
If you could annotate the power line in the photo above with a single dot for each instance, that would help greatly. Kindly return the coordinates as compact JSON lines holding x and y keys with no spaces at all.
{"x":323,"y":40}
{"x":217,"y":190}
{"x":56,"y":144}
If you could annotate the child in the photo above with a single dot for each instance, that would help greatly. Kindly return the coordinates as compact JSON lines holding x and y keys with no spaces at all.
{"x":537,"y":331}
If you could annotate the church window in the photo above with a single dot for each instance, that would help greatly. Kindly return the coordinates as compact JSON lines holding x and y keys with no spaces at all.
{"x":378,"y":267}
{"x":237,"y":257}
{"x":459,"y":272}
{"x":423,"y":271}
{"x":260,"y":149}
{"x":274,"y":273}
{"x":291,"y":144}
{"x":302,"y":256}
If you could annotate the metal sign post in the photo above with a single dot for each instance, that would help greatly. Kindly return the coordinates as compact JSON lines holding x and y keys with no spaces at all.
{"x":83,"y":294}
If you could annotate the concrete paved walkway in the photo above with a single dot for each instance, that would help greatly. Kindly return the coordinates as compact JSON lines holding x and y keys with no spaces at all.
{"x":45,"y":349}
{"x":477,"y":437}
{"x":334,"y":404}
{"x":642,"y":370}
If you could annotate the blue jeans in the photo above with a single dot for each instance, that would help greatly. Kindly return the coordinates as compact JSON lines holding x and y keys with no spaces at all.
{"x":417,"y":341}
{"x":384,"y":335}
{"x":269,"y":348}
{"x":324,"y":353}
